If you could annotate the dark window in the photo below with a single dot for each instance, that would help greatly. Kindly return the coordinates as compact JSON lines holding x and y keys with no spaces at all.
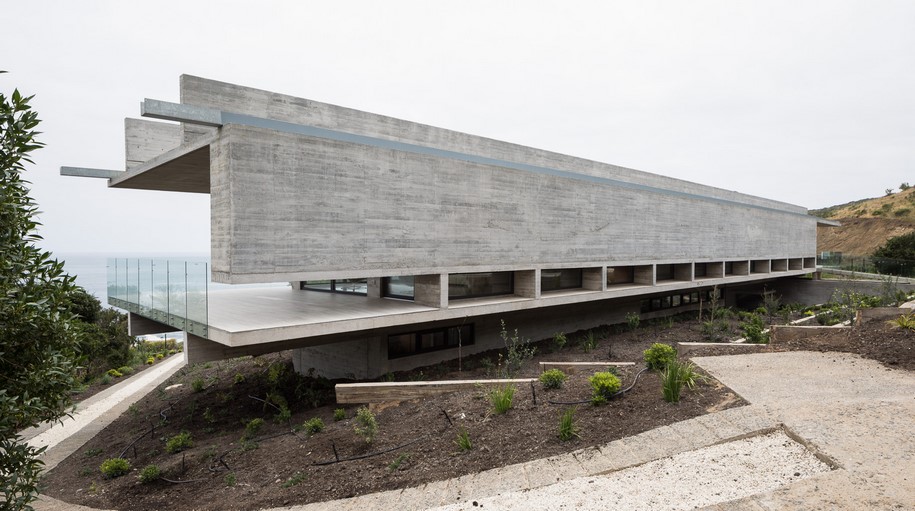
{"x":346,"y":286}
{"x":620,"y":275}
{"x":472,"y":285}
{"x":701,"y":269}
{"x":729,"y":268}
{"x":551,"y":280}
{"x":398,"y":287}
{"x":665,"y":272}
{"x":413,"y":343}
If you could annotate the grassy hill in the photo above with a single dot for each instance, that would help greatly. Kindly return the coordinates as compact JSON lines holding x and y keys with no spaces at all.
{"x":866,"y":224}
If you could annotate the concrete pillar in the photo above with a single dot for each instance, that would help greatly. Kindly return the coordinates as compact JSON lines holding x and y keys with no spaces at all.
{"x":527,"y":283}
{"x":594,"y":279}
{"x":374,"y":287}
{"x":197,"y":350}
{"x":431,"y":290}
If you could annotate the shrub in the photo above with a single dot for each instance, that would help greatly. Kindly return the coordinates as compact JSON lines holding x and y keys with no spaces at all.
{"x":715,"y":329}
{"x":398,"y":461}
{"x":114,"y":467}
{"x":559,"y":340}
{"x":754,"y":329}
{"x":659,"y":355}
{"x":314,"y":425}
{"x":150,"y":360}
{"x":603,"y":386}
{"x":125,"y":370}
{"x":229,"y":479}
{"x":160,"y":356}
{"x":252,"y":428}
{"x":632,"y":320}
{"x":501,"y":399}
{"x":365,"y":425}
{"x":179,"y":442}
{"x":517,"y":350}
{"x":339,"y":414}
{"x":690,"y":376}
{"x":567,"y":429}
{"x":149,"y":474}
{"x":552,"y":379}
{"x":114,"y":373}
{"x":238,"y":378}
{"x":672,"y":382}
{"x":463,"y":440}
{"x":106,"y":379}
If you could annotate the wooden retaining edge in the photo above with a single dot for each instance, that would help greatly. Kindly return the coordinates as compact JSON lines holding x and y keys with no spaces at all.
{"x":381,"y":392}
{"x":572,"y":365}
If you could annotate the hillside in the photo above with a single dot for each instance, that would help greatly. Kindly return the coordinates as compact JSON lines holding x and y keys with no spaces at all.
{"x":866,"y":224}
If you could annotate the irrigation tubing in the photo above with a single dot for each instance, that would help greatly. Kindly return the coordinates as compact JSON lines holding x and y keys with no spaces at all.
{"x":627,"y":389}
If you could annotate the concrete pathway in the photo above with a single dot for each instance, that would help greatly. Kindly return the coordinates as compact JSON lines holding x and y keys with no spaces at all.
{"x":853,"y":414}
{"x":95,"y":413}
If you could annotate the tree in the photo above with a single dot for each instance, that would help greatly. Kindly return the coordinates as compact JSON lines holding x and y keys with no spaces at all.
{"x":896,"y":256}
{"x":36,"y":341}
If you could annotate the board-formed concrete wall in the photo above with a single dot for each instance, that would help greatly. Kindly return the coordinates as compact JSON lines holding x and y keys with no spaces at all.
{"x":287,"y":206}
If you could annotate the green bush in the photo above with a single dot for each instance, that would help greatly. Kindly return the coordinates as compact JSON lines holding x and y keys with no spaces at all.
{"x":114,"y":373}
{"x":365,"y":425}
{"x":150,"y":360}
{"x":672,"y":382}
{"x":588,"y":342}
{"x":754,"y":329}
{"x":179,"y":442}
{"x":149,"y":474}
{"x":239,"y":378}
{"x":114,"y":467}
{"x":105,"y":379}
{"x":517,"y":350}
{"x":559,"y":340}
{"x":125,"y":370}
{"x":339,"y":414}
{"x":632,"y":320}
{"x":501,"y":399}
{"x":567,"y":429}
{"x":552,"y":379}
{"x":252,"y":428}
{"x":659,"y":355}
{"x":906,"y":321}
{"x":314,"y":425}
{"x":197,"y":385}
{"x":603,"y":386}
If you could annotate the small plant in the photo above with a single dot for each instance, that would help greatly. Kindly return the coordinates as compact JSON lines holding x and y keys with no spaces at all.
{"x":339,"y":414}
{"x":150,"y":360}
{"x":314,"y":425}
{"x":398,"y":461}
{"x":365,"y":425}
{"x":517,"y":350}
{"x":588,"y":342}
{"x":463,"y":440}
{"x":754,"y":329}
{"x":559,"y":340}
{"x":552,"y":379}
{"x":567,"y":429}
{"x":603,"y":386}
{"x":296,"y":478}
{"x":238,"y":379}
{"x":106,"y":379}
{"x":690,"y":376}
{"x":197,"y":385}
{"x":501,"y":399}
{"x":906,"y":321}
{"x":91,"y":453}
{"x":179,"y":442}
{"x":149,"y":474}
{"x":659,"y":355}
{"x":632,"y":320}
{"x":209,"y":416}
{"x":672,"y":382}
{"x":114,"y":373}
{"x":160,"y":356}
{"x":114,"y":467}
{"x":252,"y":428}
{"x":229,"y":479}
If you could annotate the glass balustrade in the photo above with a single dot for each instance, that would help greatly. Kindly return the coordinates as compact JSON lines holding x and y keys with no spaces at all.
{"x":170,"y":292}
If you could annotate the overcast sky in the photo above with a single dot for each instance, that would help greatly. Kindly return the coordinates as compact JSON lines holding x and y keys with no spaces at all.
{"x":812,"y":103}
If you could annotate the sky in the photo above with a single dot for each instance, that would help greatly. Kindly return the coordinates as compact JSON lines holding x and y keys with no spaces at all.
{"x":806,"y":102}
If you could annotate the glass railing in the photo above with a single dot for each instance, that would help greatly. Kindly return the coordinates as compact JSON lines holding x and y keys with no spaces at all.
{"x":170,"y":292}
{"x":868,"y":264}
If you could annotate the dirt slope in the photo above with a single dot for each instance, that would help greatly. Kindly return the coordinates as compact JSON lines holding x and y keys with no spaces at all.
{"x":866,"y":224}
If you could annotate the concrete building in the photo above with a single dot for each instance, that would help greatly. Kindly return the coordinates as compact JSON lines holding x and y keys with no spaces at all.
{"x":407,"y":244}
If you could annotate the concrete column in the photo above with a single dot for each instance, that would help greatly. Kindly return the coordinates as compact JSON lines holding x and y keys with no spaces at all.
{"x":527,"y":283}
{"x":431,"y":290}
{"x":197,"y":350}
{"x":594,"y":279}
{"x":374,"y":287}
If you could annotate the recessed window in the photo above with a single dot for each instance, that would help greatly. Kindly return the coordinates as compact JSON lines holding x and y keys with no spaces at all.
{"x":472,"y":285}
{"x":398,"y":287}
{"x":701,"y":270}
{"x":551,"y":280}
{"x":664,"y":272}
{"x":345,"y":286}
{"x":414,"y":343}
{"x":729,"y":268}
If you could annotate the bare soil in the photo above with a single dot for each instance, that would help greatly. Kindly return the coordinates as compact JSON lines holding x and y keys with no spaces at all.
{"x":283,"y":465}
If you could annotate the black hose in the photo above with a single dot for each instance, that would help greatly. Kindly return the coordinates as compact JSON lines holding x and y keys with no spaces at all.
{"x":627,"y":389}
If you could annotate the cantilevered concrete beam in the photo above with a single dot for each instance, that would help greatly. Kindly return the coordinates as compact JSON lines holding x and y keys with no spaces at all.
{"x":164,"y":110}
{"x":87,"y":172}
